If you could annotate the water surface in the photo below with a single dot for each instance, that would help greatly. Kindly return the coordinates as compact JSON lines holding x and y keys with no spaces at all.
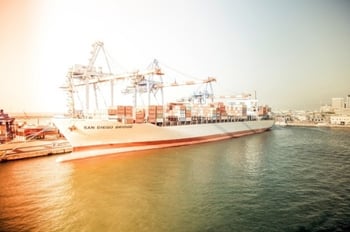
{"x":287,"y":179}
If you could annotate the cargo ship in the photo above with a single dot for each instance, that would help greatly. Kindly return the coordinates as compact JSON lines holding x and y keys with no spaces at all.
{"x":144,"y":125}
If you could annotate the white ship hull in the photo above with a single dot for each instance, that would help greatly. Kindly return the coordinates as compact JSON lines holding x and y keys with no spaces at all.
{"x":109,"y":136}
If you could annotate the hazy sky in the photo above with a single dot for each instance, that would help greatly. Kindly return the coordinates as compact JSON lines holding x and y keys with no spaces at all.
{"x":294,"y":54}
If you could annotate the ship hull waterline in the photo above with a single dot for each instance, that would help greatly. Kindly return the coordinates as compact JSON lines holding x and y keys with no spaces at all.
{"x":91,"y":138}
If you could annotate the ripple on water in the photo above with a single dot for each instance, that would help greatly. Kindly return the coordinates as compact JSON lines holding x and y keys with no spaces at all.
{"x":292,"y":179}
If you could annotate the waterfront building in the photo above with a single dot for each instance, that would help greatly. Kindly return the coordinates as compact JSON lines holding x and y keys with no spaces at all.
{"x":326,"y":109}
{"x":347,"y":103}
{"x":337,"y":103}
{"x":316,"y":117}
{"x":340,"y":119}
{"x":300,"y":115}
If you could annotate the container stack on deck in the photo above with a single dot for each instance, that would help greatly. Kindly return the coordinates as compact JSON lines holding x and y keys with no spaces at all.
{"x":121,"y":113}
{"x":263,"y":110}
{"x":140,"y":116}
{"x":155,"y":113}
{"x":182,"y":113}
{"x":237,"y":110}
{"x":179,"y":111}
{"x":112,"y":111}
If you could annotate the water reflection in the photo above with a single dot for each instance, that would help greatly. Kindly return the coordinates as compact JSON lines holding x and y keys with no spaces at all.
{"x":34,"y":195}
{"x":276,"y":181}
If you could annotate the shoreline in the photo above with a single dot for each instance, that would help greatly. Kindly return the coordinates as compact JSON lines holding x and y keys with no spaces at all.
{"x":307,"y":124}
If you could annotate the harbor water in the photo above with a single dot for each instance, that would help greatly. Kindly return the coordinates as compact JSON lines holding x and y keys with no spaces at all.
{"x":287,"y":179}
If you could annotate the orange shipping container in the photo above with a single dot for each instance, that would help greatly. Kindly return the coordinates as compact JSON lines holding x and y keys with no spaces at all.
{"x":112,"y":111}
{"x":139,"y":120}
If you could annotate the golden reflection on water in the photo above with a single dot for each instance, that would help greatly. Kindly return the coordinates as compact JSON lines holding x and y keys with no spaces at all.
{"x":135,"y":195}
{"x":36,"y":194}
{"x":240,"y":184}
{"x":132,"y":191}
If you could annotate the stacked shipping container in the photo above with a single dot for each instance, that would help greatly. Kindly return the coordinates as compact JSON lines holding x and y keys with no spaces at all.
{"x":155,"y":113}
{"x":140,"y":116}
{"x":181,"y":112}
{"x":238,"y":110}
{"x":264,"y":110}
{"x":122,"y":113}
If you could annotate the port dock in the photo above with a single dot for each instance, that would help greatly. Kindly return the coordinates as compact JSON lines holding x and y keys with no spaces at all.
{"x":35,"y":148}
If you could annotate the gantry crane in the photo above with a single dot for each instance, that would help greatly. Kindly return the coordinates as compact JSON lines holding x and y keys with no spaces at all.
{"x":149,"y":81}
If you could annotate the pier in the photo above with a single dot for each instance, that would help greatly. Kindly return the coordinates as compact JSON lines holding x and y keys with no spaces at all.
{"x":36,"y":148}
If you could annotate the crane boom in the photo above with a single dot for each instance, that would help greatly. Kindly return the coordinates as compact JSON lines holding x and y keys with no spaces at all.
{"x":175,"y":84}
{"x":139,"y":82}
